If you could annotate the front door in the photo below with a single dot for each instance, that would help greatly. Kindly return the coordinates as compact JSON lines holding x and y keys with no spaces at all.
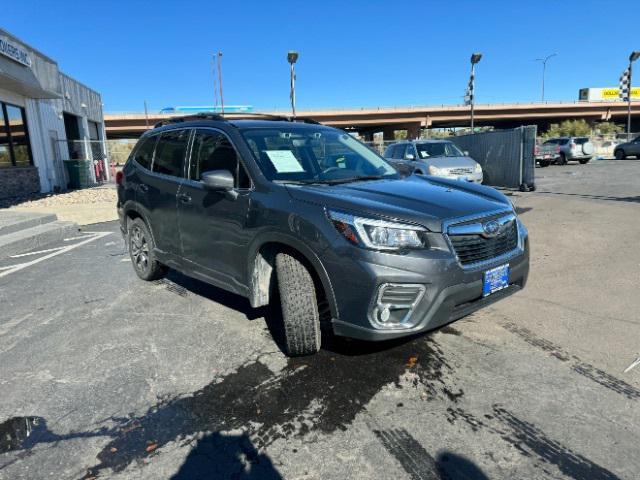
{"x":212,"y":224}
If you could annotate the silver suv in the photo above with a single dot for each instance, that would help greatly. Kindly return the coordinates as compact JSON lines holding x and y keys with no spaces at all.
{"x":571,"y":148}
{"x":440,"y":158}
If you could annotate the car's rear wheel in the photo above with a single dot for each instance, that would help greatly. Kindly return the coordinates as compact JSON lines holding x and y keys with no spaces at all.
{"x":141,"y":247}
{"x":544,"y":163}
{"x":299,"y":306}
{"x":620,"y":155}
{"x":584,"y":160}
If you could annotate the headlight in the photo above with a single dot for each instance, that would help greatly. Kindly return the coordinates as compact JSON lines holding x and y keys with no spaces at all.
{"x":478,"y":168}
{"x":378,"y":234}
{"x":435,"y":170}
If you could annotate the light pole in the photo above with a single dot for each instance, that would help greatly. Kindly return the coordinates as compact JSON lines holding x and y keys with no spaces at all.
{"x":475,"y":58}
{"x":632,"y":58}
{"x":292,"y":57}
{"x":220,"y":80}
{"x":544,"y":69}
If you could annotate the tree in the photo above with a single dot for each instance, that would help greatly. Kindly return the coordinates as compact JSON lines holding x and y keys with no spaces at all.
{"x":608,"y":128}
{"x":569,"y":128}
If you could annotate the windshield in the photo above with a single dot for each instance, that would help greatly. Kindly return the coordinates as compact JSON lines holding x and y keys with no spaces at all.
{"x":308,"y":155}
{"x":440,"y":149}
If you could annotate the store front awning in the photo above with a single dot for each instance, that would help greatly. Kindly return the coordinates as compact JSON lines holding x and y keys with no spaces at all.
{"x":21,"y":79}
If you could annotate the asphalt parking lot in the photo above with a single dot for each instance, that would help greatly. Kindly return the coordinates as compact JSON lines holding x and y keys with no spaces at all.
{"x":117,"y":378}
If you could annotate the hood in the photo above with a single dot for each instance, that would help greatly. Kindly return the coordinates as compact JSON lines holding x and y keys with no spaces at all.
{"x":449,"y":162}
{"x":426,"y":201}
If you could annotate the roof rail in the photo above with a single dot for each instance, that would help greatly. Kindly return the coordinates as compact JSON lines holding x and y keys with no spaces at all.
{"x":233,"y":116}
{"x":188,"y":118}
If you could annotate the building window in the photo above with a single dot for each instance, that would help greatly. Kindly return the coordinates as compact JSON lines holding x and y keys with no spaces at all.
{"x":15,"y":149}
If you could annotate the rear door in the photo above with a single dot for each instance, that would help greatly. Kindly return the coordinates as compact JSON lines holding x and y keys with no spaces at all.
{"x":212,"y":224}
{"x":159,"y":187}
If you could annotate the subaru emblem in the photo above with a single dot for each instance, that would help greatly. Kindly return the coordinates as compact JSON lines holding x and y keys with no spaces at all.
{"x":491,"y":228}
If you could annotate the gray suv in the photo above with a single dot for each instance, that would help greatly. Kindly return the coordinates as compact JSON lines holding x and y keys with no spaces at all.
{"x":307,"y":218}
{"x":570,"y":148}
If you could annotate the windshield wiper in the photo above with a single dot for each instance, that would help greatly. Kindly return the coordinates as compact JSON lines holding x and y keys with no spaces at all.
{"x":353,"y":179}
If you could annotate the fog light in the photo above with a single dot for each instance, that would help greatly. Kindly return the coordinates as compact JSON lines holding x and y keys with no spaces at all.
{"x":394,"y":304}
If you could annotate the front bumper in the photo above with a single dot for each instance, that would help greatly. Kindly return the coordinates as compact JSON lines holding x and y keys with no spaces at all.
{"x":450,"y":291}
{"x":473,"y":177}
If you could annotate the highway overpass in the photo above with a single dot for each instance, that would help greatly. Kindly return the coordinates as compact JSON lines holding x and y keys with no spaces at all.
{"x":368,"y":121}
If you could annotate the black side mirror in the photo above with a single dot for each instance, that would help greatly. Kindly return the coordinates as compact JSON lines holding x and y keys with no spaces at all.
{"x":218,"y":180}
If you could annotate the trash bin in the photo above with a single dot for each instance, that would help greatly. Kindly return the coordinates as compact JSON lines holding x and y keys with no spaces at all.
{"x":78,"y":171}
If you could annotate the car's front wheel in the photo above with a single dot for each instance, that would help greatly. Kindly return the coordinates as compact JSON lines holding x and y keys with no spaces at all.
{"x":299,"y":306}
{"x":141,"y":247}
{"x":620,"y":155}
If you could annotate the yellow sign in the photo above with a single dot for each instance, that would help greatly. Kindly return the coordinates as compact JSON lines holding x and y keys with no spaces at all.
{"x":614,"y":93}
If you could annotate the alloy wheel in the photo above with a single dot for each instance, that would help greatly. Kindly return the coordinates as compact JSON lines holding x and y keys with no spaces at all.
{"x":139,"y":249}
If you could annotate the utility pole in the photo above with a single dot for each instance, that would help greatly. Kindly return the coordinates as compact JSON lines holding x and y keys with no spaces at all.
{"x":632,"y":58}
{"x":220,"y":81}
{"x":544,"y":69}
{"x":292,"y":57}
{"x":146,"y":115}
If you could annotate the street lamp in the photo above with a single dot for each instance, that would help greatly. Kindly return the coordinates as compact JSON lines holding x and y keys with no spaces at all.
{"x":544,"y":69}
{"x":632,"y":58}
{"x":292,"y":57}
{"x":475,"y":58}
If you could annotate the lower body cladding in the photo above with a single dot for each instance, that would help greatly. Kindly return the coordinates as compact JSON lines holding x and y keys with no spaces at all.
{"x":382,"y":296}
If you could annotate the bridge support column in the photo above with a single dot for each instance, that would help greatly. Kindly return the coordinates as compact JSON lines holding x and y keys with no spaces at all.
{"x":388,"y":133}
{"x":413,"y":131}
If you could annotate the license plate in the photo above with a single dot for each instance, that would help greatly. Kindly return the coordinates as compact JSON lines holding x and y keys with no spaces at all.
{"x":495,"y":279}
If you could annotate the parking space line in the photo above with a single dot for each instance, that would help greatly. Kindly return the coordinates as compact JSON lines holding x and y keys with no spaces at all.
{"x":22,"y":266}
{"x":36,"y":253}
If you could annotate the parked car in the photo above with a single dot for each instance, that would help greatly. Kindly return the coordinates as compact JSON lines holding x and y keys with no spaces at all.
{"x":628,"y":149}
{"x":545,"y":154}
{"x":440,"y":158}
{"x":570,"y":148}
{"x":307,"y":216}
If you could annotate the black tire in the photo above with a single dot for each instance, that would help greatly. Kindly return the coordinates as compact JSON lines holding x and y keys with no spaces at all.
{"x":620,"y":155}
{"x":584,"y":161}
{"x":299,"y":307}
{"x":141,"y":247}
{"x":562,"y":159}
{"x":544,"y":163}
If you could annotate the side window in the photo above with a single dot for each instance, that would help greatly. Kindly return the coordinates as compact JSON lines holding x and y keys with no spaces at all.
{"x":144,"y":153}
{"x":410,"y":151}
{"x":213,"y":151}
{"x":398,"y":153}
{"x":388,"y":152}
{"x":170,"y":152}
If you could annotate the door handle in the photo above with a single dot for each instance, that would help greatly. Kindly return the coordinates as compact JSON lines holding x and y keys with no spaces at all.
{"x":143,"y":187}
{"x":184,"y":198}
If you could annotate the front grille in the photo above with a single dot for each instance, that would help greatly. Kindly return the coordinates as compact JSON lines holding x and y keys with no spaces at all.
{"x":461,"y":171}
{"x":476,"y":248}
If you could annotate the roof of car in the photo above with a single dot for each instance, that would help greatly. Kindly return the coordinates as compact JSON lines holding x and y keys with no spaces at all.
{"x":242,"y":122}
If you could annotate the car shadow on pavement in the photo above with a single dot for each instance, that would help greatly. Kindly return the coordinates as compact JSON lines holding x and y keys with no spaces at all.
{"x":226,"y":456}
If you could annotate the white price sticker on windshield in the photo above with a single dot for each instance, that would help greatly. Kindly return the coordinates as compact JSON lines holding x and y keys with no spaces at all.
{"x":284,"y":161}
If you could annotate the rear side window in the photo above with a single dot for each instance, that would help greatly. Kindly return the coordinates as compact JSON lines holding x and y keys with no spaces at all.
{"x":581,"y":140}
{"x":398,"y":153}
{"x":213,"y":151}
{"x":563,"y":141}
{"x":144,"y":153}
{"x":170,"y":152}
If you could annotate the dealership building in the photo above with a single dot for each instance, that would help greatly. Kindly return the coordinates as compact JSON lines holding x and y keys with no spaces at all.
{"x":46,"y":117}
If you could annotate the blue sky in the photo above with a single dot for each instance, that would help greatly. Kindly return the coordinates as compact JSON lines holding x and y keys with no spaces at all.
{"x":352,"y":54}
